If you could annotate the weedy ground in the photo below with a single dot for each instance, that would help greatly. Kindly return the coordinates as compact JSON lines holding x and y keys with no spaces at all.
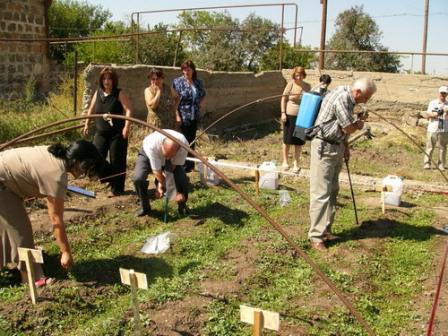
{"x":226,"y":254}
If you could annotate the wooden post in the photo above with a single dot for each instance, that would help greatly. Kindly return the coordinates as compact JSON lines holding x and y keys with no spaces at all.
{"x":135,"y":280}
{"x":260,"y":319}
{"x":257,"y":182}
{"x":31,"y":256}
{"x":258,"y":323}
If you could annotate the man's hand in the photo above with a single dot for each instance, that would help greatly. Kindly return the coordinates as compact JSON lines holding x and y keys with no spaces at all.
{"x":159,"y":191}
{"x":180,"y":198}
{"x":347,"y":153}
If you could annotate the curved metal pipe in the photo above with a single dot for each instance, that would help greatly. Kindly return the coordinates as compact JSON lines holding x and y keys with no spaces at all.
{"x":246,"y":197}
{"x":411,"y":139}
{"x":260,"y":100}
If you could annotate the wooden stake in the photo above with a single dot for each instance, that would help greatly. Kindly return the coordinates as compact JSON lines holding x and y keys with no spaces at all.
{"x":258,"y":323}
{"x":257,"y":182}
{"x":383,"y":201}
{"x":135,"y":280}
{"x":31,"y":256}
{"x":260,"y":319}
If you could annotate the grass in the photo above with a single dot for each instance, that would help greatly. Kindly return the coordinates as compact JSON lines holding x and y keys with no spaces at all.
{"x":20,"y":116}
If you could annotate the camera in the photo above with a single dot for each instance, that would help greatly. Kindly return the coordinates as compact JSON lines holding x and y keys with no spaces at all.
{"x":363,"y":114}
{"x":439,"y":111}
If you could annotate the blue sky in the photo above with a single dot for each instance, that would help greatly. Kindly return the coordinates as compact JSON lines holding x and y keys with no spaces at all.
{"x":401,"y":21}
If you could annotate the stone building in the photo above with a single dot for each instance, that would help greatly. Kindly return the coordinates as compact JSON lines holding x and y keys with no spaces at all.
{"x":24,"y":51}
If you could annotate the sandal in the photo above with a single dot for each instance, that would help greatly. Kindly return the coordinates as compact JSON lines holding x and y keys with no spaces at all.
{"x":44,"y":282}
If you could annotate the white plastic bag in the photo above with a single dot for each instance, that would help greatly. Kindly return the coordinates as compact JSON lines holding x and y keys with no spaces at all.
{"x":284,"y":198}
{"x":158,"y":244}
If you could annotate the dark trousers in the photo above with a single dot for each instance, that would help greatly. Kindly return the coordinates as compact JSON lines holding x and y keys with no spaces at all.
{"x":143,"y":169}
{"x":189,"y":131}
{"x":117,"y":148}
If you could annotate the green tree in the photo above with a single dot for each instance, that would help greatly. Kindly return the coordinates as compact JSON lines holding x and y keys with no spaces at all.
{"x":159,"y":48}
{"x":70,"y":18}
{"x":106,"y":51}
{"x":229,"y":45}
{"x":211,"y":49}
{"x":291,"y":58}
{"x":260,"y":36}
{"x":356,"y":30}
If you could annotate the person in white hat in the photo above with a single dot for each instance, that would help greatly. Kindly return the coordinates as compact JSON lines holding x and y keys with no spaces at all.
{"x":437,"y":133}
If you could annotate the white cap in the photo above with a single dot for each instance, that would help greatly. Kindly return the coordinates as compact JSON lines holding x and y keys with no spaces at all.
{"x":443,"y":89}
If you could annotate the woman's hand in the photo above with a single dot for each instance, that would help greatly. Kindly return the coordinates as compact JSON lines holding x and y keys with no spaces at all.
{"x":85,"y":130}
{"x":125,"y":132}
{"x":66,"y":260}
{"x":283,"y":117}
{"x":178,"y":119}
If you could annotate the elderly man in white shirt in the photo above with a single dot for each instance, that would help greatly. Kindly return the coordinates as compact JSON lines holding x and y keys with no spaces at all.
{"x":437,"y":133}
{"x":158,"y":154}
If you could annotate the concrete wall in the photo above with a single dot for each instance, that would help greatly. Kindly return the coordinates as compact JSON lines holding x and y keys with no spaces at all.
{"x":227,"y":91}
{"x":405,"y":88}
{"x":20,"y":61}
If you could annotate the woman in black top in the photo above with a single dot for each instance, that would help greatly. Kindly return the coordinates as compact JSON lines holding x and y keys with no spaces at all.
{"x":111,"y":136}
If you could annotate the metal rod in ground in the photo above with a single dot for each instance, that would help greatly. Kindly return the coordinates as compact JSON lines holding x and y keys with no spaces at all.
{"x":437,"y":294}
{"x":165,"y":217}
{"x":351,"y":190}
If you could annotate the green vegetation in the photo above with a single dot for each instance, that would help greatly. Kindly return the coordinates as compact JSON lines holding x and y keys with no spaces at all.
{"x":226,"y":254}
{"x":21,"y":116}
{"x":382,"y":280}
{"x":356,"y":30}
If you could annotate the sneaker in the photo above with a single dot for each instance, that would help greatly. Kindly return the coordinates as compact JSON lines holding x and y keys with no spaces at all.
{"x":142,"y":212}
{"x":295,"y":169}
{"x":331,"y":237}
{"x":320,"y":246}
{"x":44,"y":282}
{"x":427,"y":166}
{"x":442,"y":168}
{"x":183,"y":211}
{"x":285,"y":166}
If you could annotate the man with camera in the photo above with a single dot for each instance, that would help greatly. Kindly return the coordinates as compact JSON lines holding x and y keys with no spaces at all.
{"x":437,"y":133}
{"x":328,"y":150}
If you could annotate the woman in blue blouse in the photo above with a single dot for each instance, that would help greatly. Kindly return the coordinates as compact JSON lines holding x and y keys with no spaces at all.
{"x":188,"y":92}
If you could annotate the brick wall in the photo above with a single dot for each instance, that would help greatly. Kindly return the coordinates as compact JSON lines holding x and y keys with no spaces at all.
{"x":22,"y":61}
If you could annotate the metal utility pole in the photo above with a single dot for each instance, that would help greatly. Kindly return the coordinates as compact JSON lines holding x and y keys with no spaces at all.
{"x":425,"y":36}
{"x":322,"y":34}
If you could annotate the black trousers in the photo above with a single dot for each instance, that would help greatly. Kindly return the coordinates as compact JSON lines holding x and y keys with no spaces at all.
{"x":112,"y":143}
{"x":189,"y":131}
{"x":143,"y":169}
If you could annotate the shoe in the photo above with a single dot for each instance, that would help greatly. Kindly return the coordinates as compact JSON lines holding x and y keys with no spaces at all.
{"x":442,"y":168}
{"x":427,"y":166}
{"x":142,"y":212}
{"x":331,"y":237}
{"x":44,"y":282}
{"x":295,"y":170}
{"x":111,"y":194}
{"x":183,"y":211}
{"x":320,"y":246}
{"x":285,"y":166}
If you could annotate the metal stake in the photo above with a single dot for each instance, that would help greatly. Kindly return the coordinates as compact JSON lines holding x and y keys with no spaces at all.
{"x":351,"y":190}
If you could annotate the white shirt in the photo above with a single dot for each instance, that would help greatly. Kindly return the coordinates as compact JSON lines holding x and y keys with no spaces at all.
{"x":152,"y":146}
{"x":433,"y":123}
